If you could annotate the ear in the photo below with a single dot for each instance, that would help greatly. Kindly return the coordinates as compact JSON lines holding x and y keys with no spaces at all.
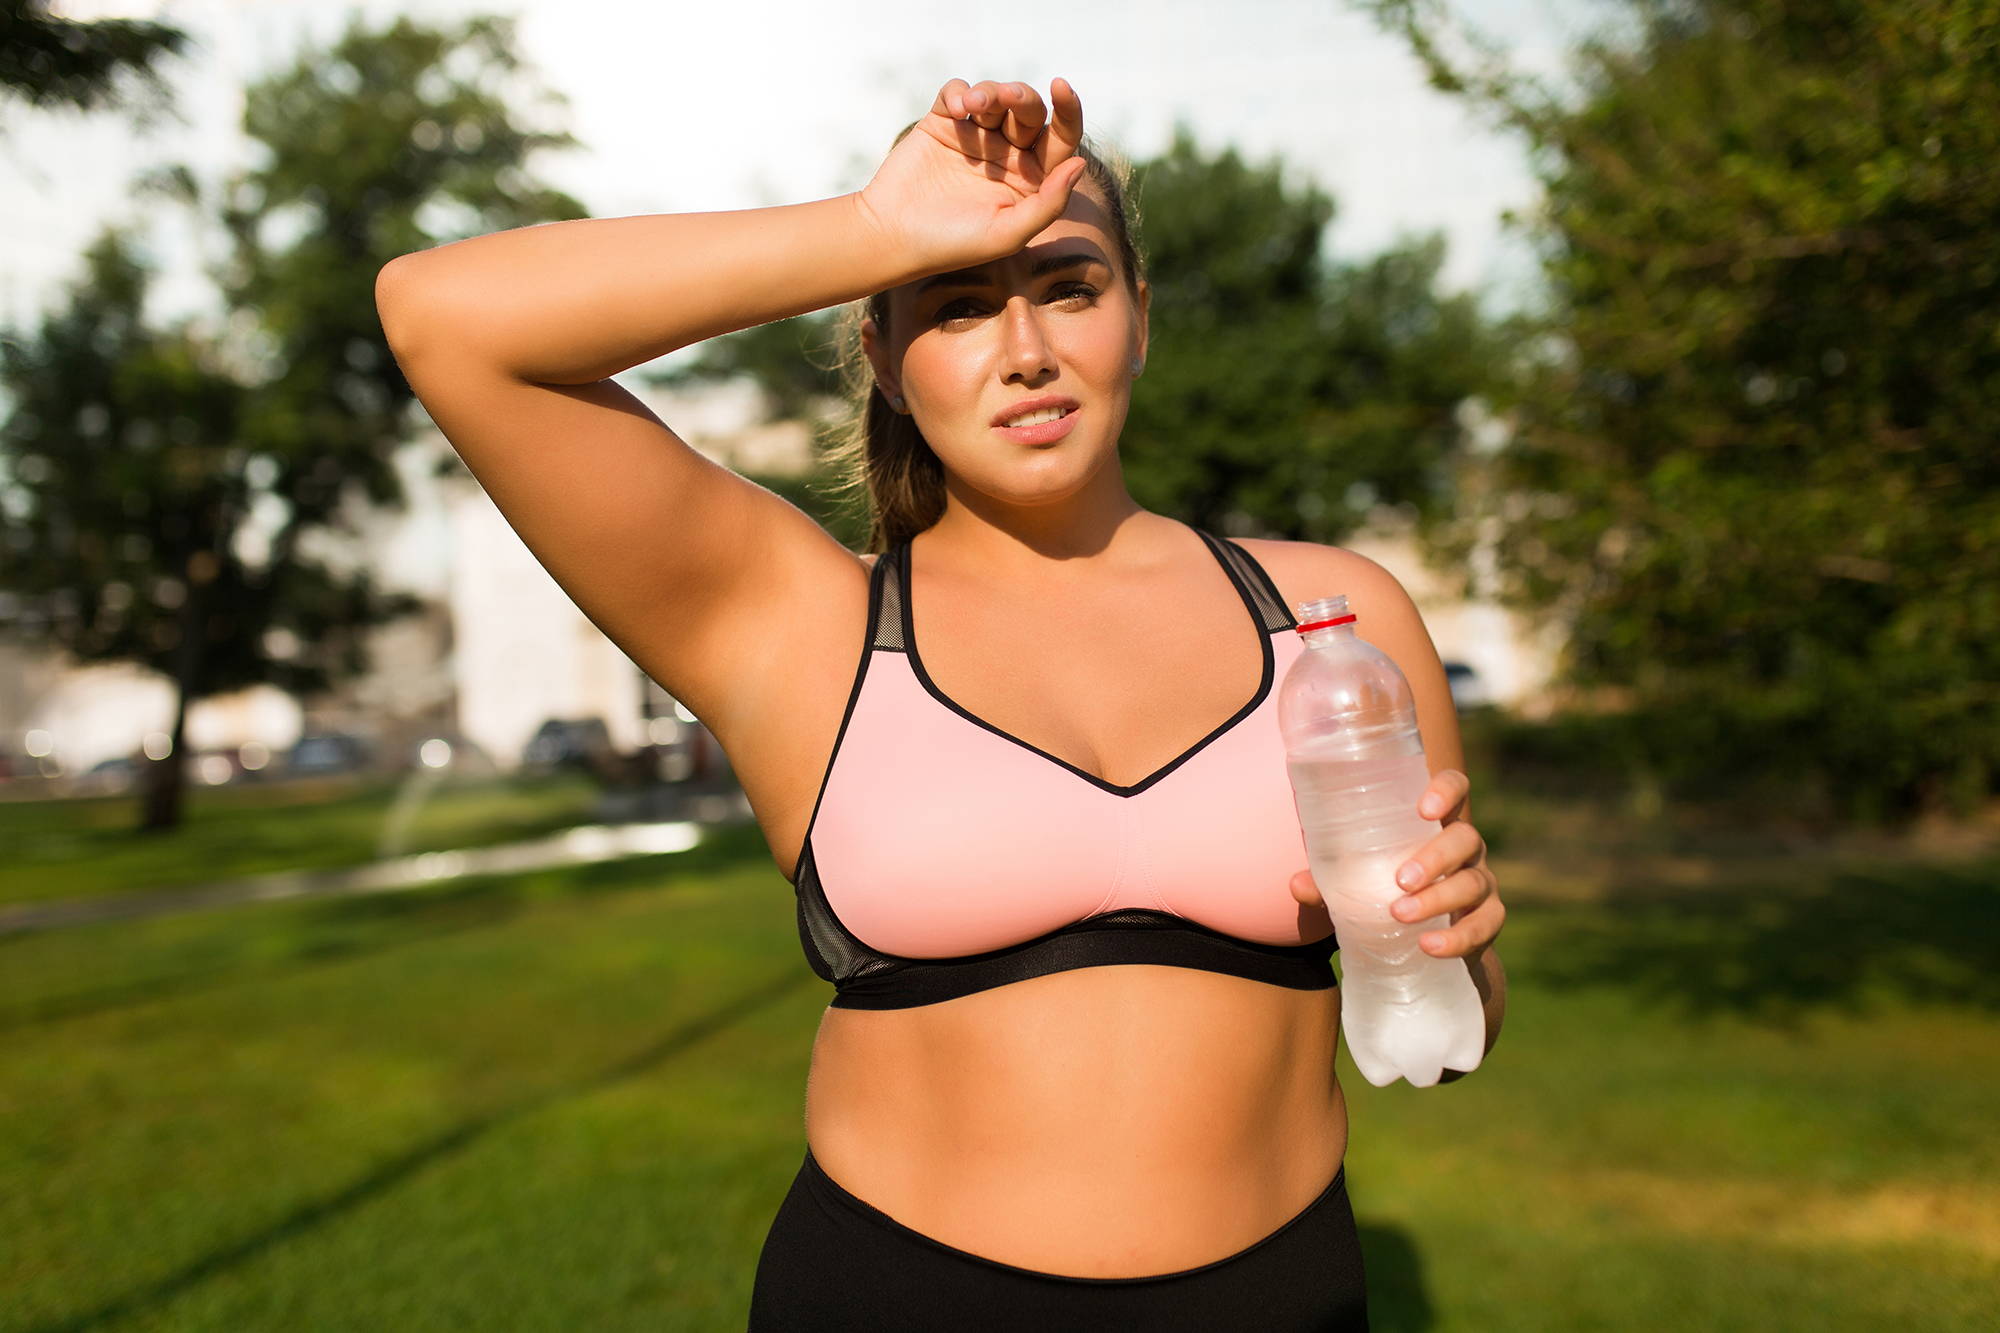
{"x":1145,"y":312}
{"x":878,"y":358}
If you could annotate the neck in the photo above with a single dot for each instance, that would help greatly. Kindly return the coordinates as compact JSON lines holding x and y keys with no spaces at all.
{"x":1082,"y":533}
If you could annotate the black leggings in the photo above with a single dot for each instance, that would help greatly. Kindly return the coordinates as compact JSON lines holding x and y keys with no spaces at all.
{"x":833,"y":1261}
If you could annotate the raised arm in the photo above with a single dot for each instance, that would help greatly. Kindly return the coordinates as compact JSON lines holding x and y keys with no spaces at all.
{"x":509,"y":339}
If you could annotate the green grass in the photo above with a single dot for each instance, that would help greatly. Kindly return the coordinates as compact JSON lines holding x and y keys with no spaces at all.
{"x":1741,"y":1094}
{"x":87,"y":846}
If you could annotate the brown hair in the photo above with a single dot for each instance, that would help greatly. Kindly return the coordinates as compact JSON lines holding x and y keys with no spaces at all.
{"x":878,"y":453}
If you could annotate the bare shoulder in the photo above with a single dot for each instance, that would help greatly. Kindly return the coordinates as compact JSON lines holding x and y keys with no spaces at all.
{"x":1385,"y":615}
{"x":1305,"y":571}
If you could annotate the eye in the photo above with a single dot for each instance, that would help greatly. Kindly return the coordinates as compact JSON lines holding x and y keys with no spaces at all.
{"x":944,"y":312}
{"x":1078,"y":293}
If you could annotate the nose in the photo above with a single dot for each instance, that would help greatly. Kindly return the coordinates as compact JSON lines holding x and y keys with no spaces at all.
{"x":1025,"y":354}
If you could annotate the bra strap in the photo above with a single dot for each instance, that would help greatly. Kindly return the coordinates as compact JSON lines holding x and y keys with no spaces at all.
{"x":888,"y":629}
{"x":1270,"y":603}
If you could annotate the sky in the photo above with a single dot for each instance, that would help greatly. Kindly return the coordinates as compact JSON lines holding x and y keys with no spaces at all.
{"x":701,"y":106}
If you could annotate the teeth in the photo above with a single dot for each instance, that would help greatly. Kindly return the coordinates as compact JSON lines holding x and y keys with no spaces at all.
{"x":1036,"y":418}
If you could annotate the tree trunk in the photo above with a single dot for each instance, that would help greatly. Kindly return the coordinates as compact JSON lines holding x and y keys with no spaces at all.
{"x":167,"y":778}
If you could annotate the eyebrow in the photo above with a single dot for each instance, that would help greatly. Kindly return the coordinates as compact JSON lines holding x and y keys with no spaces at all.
{"x":978,"y":277}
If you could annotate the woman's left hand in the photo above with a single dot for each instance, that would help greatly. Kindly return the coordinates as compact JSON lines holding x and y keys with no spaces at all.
{"x":1448,"y":873}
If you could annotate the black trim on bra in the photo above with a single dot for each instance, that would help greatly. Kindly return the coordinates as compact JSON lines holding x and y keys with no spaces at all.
{"x":847,"y":714}
{"x":1265,"y":680}
{"x":865,"y":978}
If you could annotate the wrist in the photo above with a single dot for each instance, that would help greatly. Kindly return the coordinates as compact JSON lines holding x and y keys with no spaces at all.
{"x":892,"y":254}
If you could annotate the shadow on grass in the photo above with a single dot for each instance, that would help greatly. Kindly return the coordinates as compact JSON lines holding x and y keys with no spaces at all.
{"x":1775,"y":949}
{"x":329,"y":931}
{"x":452,"y":1140}
{"x":1398,"y":1299}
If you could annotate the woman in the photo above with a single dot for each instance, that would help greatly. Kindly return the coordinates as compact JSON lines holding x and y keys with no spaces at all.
{"x":1079,"y":1067}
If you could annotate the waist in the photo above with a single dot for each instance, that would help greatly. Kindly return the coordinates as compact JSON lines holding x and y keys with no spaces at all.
{"x":1101,"y":1094}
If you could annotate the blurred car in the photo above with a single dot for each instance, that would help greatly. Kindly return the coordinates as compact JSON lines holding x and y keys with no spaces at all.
{"x":679,"y":748}
{"x":1468,"y":687}
{"x":328,"y":753}
{"x":448,"y":750}
{"x":213,"y":768}
{"x":582,"y":743}
{"x":107,"y":777}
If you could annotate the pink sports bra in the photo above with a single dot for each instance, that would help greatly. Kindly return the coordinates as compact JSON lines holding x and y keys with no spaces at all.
{"x":945,"y":856}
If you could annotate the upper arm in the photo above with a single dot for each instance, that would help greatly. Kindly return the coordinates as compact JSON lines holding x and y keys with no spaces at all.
{"x":682,"y":562}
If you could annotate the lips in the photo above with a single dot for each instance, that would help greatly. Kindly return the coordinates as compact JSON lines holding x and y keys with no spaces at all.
{"x":1026,"y":405}
{"x":1042,"y":432}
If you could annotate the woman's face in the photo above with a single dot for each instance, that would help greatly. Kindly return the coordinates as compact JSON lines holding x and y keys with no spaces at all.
{"x":1054,"y":320}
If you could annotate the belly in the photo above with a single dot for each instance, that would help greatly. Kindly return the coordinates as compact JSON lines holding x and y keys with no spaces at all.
{"x":1103,"y":1122}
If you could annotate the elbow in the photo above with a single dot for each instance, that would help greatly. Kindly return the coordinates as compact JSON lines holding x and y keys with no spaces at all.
{"x":397,"y":303}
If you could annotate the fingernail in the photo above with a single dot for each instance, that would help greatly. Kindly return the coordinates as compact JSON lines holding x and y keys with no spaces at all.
{"x":1429,"y":808}
{"x":1410,"y":875}
{"x":1403,"y":908}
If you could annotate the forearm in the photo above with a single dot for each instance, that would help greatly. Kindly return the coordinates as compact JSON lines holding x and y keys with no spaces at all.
{"x":574,"y":302}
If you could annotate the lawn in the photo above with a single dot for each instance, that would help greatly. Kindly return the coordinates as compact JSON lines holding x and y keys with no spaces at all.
{"x":1749,"y":1092}
{"x":86,"y":846}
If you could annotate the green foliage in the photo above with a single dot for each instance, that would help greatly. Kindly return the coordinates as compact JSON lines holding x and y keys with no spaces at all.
{"x":1753,"y":471}
{"x":1287,"y":393}
{"x":53,"y":63}
{"x":131,"y":480}
{"x":135,"y":458}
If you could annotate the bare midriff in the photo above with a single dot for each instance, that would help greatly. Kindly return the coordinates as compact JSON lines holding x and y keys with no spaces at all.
{"x":1116,"y":1121}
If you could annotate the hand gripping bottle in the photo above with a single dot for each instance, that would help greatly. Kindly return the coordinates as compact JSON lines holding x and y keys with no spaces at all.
{"x":1357,"y":766}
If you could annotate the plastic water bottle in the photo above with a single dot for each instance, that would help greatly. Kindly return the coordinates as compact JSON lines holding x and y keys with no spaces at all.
{"x":1357,"y":766}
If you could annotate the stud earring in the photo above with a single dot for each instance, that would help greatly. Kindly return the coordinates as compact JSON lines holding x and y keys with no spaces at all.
{"x":896,"y":401}
{"x":1137,"y":366}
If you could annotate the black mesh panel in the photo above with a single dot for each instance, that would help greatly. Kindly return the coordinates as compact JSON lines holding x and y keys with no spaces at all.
{"x":1270,"y":603}
{"x":889,"y":618}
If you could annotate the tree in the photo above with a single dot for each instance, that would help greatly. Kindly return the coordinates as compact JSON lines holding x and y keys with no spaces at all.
{"x":137,"y":458}
{"x":1753,"y":473}
{"x":1287,"y":393}
{"x":1284,"y":393}
{"x":56,"y":63}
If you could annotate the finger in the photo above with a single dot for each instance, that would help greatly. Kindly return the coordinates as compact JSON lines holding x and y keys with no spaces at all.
{"x":951,"y":100}
{"x":1306,"y":889}
{"x":1052,"y":196}
{"x":1460,"y":892}
{"x":1445,"y":794}
{"x":1456,"y":845}
{"x":988,"y":103}
{"x":1025,"y":117}
{"x":1065,"y":129}
{"x":1475,"y":931}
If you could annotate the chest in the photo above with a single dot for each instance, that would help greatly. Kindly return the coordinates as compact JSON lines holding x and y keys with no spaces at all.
{"x":939,"y":834}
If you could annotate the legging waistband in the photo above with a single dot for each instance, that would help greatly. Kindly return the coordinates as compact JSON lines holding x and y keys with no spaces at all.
{"x":839,"y":1196}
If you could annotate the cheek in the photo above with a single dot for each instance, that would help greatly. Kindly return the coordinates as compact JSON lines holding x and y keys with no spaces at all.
{"x":942,"y":373}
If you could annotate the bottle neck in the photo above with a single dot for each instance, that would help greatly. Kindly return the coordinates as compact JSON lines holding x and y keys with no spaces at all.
{"x":1325,"y":621}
